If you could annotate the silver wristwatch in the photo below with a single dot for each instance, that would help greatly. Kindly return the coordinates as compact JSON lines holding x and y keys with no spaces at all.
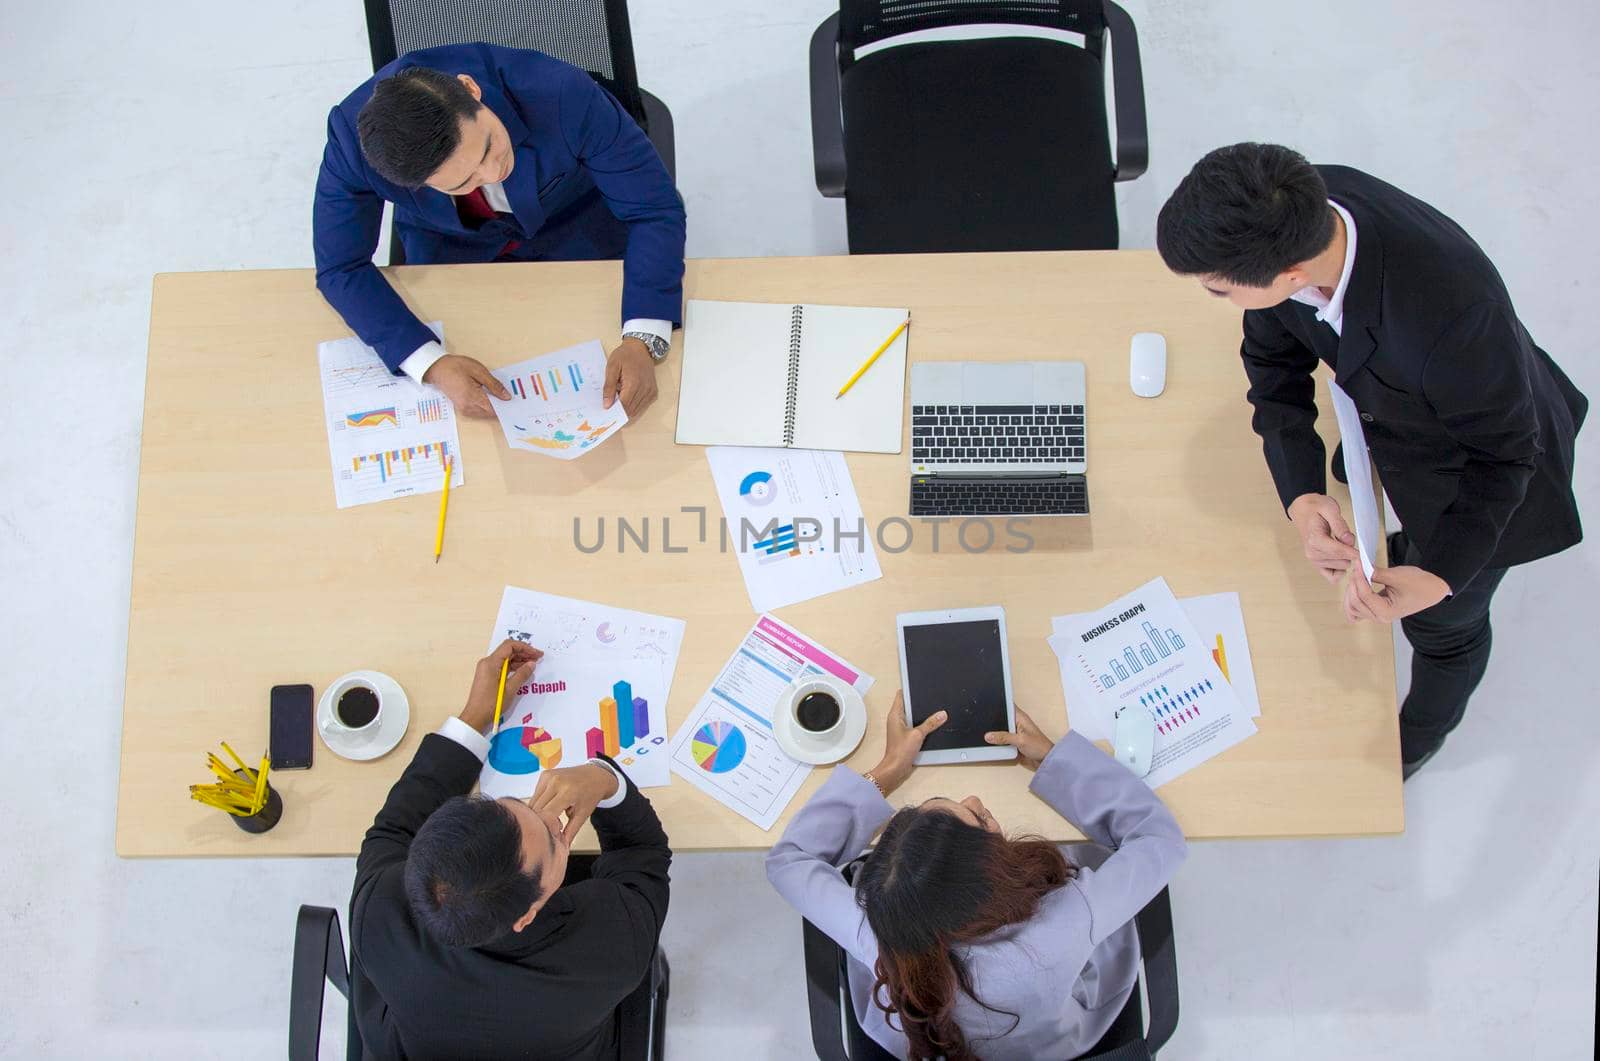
{"x":654,"y":343}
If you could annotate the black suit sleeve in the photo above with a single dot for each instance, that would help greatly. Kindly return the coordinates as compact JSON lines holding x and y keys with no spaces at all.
{"x":440,"y":769}
{"x":1283,"y":392}
{"x":1478,"y":386}
{"x":635,"y":857}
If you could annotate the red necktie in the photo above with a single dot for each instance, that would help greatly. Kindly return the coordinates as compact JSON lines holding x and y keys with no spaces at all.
{"x":474,"y":210}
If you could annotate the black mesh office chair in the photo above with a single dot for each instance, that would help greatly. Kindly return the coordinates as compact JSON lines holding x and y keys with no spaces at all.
{"x":592,"y":34}
{"x":319,"y":956}
{"x":838,"y":1036}
{"x":975,"y":145}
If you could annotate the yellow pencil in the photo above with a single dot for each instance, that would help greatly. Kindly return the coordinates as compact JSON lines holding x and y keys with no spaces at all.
{"x":851,"y":382}
{"x":444,"y":504}
{"x":260,"y":799}
{"x":500,"y":697}
{"x":235,"y":757}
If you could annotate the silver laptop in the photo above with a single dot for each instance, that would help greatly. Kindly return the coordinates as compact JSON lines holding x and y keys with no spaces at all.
{"x":998,"y":439}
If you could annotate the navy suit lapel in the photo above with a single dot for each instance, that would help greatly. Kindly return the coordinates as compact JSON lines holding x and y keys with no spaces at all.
{"x":522,"y":187}
{"x":1363,"y":301}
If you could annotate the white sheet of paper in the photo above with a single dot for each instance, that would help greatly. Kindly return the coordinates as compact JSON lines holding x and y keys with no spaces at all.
{"x":1219,"y":620}
{"x":1142,"y":653}
{"x":726,"y":747}
{"x":1358,"y":471}
{"x":590,"y":647}
{"x":387,"y":436}
{"x":555,"y":406}
{"x":783,"y":507}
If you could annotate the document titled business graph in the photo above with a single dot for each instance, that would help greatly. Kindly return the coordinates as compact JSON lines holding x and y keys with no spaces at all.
{"x":1141,"y":652}
{"x":726,"y":747}
{"x":387,"y":436}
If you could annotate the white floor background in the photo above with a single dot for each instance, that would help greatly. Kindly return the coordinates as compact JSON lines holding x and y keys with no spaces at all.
{"x":172,"y":136}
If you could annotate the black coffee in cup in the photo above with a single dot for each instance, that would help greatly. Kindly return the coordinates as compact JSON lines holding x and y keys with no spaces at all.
{"x":817,"y":712}
{"x":357,"y":707}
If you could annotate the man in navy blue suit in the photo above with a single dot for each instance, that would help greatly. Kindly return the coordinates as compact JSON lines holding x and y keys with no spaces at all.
{"x":495,"y":154}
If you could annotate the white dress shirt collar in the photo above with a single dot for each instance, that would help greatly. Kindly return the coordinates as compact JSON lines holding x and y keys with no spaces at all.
{"x":1331,"y":310}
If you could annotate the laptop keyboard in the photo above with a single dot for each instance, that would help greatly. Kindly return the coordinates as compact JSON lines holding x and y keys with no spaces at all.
{"x":996,"y":434}
{"x":1057,"y":495}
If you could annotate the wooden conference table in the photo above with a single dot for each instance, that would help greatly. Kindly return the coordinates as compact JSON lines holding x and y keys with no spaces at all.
{"x":245,"y":575}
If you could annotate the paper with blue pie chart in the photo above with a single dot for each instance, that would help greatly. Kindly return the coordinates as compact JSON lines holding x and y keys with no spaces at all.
{"x":726,"y":747}
{"x":794,"y":521}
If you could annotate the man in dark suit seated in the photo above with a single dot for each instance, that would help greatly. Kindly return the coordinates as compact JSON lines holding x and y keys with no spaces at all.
{"x":465,"y":941}
{"x":495,"y":154}
{"x":1471,"y":425}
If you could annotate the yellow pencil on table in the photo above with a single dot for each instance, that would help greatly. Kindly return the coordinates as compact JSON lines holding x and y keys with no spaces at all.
{"x":444,"y":505}
{"x":500,"y":697}
{"x":851,"y":382}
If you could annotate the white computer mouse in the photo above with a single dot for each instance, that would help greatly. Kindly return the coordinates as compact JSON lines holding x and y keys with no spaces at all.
{"x":1147,"y":364}
{"x":1135,"y":740}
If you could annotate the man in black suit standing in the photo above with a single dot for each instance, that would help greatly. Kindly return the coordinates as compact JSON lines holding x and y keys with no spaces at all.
{"x":1470,"y":423}
{"x":465,"y":940}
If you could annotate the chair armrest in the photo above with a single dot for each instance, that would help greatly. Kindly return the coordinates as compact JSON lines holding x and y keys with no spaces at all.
{"x":658,"y":127}
{"x":1127,"y":85}
{"x":823,"y":958}
{"x":827,"y":123}
{"x":1154,"y":925}
{"x":318,"y":956}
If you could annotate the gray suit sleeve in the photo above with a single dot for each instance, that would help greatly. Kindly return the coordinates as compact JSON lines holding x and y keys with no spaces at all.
{"x":831,"y":829}
{"x":1116,"y":810}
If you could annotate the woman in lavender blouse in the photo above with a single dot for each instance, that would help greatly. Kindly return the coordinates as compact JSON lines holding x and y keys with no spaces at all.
{"x":965,"y":943}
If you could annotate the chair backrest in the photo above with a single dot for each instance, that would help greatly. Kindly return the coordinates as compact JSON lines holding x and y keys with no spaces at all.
{"x":866,"y":21}
{"x":591,"y":34}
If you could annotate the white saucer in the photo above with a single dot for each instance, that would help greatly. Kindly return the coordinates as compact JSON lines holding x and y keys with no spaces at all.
{"x":377,"y":739}
{"x":820,"y":751}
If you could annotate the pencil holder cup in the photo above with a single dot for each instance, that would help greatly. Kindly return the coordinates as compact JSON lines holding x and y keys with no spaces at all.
{"x":267,"y":816}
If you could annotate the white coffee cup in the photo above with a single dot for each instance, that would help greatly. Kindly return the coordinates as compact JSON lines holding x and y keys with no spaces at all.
{"x":820,"y":685}
{"x":337,"y":699}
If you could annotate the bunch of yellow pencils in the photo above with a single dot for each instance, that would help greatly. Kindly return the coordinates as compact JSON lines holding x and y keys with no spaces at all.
{"x":237,"y":795}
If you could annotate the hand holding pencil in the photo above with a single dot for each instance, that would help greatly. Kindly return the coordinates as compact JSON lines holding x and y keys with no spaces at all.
{"x":519,"y":660}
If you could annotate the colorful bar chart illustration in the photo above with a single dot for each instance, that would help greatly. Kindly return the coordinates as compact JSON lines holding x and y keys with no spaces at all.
{"x":430,"y":410}
{"x":1174,"y":710}
{"x":390,"y":462}
{"x":372,"y":418}
{"x":624,"y":722}
{"x":1146,"y":654}
{"x":780,"y":545}
{"x":548,"y":383}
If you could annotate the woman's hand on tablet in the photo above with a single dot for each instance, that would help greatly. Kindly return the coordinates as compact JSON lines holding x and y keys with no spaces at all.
{"x":901,"y":743}
{"x":1031,"y":744}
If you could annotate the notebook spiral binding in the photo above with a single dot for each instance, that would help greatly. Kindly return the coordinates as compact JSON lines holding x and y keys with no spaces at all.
{"x":796,"y":329}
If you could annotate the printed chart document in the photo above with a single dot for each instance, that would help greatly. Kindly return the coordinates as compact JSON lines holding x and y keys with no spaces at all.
{"x":1220,"y":622}
{"x":1358,"y":471}
{"x":555,"y":407}
{"x":726,"y":747}
{"x":387,"y":436}
{"x":1142,"y":653}
{"x":795,"y":522}
{"x":596,"y":658}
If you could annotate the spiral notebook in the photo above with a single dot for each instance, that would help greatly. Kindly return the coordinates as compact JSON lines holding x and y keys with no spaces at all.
{"x":765,"y":374}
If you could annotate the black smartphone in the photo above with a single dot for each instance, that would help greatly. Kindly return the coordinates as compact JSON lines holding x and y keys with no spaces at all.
{"x":291,"y":727}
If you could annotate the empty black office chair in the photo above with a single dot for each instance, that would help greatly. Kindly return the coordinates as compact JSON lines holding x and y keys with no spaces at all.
{"x":592,"y":34}
{"x":838,"y":1036}
{"x":995,"y":144}
{"x":319,"y":956}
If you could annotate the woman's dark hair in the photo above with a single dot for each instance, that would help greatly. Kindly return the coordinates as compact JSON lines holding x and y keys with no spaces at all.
{"x":1245,"y":213}
{"x":934,"y":882}
{"x":464,"y":877}
{"x":412,"y":124}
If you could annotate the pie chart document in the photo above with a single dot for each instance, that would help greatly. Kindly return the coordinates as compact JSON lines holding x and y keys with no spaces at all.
{"x":726,"y":747}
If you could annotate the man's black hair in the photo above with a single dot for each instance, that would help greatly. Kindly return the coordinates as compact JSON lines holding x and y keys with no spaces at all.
{"x":412,"y":124}
{"x":464,"y":876}
{"x":1245,"y":214}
